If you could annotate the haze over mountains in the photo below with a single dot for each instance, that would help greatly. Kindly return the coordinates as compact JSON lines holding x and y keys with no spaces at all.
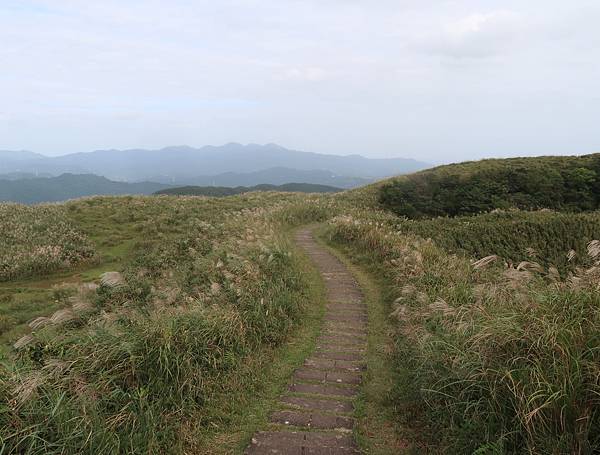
{"x":228,"y":165}
{"x":185,"y":163}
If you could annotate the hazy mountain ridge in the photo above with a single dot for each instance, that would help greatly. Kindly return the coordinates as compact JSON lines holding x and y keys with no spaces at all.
{"x":270,"y":176}
{"x":30,"y":189}
{"x":183,"y":163}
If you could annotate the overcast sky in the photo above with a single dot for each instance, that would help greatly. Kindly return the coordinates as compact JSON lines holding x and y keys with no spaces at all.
{"x":429,"y":79}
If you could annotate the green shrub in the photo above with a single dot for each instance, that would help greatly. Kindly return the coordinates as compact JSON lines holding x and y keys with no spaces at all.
{"x":560,"y":183}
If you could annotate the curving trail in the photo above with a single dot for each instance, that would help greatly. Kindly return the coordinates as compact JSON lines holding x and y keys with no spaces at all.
{"x":315,"y":413}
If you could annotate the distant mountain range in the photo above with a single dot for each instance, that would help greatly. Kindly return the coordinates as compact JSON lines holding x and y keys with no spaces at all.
{"x":69,"y":186}
{"x":219,"y":191}
{"x":185,"y":164}
{"x":30,"y":177}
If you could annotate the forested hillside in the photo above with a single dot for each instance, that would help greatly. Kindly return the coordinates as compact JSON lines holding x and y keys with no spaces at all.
{"x":565,"y":183}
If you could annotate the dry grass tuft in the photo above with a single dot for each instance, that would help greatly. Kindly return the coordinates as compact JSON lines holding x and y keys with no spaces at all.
{"x":39,"y":322}
{"x":112,"y":279}
{"x":23,"y":342}
{"x":62,"y":316}
{"x":483,"y":262}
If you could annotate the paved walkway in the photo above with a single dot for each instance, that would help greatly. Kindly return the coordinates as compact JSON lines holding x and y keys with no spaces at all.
{"x":314,"y":415}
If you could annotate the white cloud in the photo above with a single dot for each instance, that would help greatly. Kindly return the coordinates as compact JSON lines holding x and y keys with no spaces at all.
{"x":309,"y":74}
{"x":422,"y":78}
{"x":477,"y":35}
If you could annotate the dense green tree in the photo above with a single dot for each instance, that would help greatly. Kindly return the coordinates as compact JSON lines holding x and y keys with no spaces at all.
{"x":569,"y":184}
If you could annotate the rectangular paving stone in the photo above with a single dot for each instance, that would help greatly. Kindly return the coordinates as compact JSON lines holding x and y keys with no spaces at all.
{"x":330,"y":364}
{"x":344,"y":377}
{"x":318,"y":404}
{"x":344,"y":317}
{"x":310,"y":374}
{"x":322,"y":364}
{"x":305,"y":439}
{"x":355,"y":326}
{"x":346,"y":327}
{"x":350,"y":335}
{"x":295,"y":418}
{"x":282,"y":449}
{"x":350,"y":365}
{"x":330,"y":451}
{"x":323,"y":389}
{"x":336,"y":440}
{"x":335,"y":355}
{"x":342,"y":339}
{"x":326,"y":345}
{"x":316,"y":420}
{"x":330,"y":422}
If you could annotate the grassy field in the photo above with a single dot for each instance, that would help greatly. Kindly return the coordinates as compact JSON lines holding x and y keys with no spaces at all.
{"x":483,"y":329}
{"x":208,"y":289}
{"x":491,"y":358}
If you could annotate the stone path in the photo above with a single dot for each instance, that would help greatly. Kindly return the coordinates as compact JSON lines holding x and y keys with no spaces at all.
{"x":314,"y":415}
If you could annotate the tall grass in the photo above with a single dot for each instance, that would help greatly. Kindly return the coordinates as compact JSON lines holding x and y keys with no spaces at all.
{"x":136,"y":367}
{"x":495,"y":359}
{"x":38,"y":240}
{"x":551,"y":238}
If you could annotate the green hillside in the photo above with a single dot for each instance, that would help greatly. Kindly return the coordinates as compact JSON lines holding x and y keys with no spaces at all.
{"x":483,"y":328}
{"x":33,"y":190}
{"x":566,"y":183}
{"x":220,"y":191}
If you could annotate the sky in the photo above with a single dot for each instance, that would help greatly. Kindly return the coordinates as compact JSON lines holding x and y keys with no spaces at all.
{"x":439,"y":81}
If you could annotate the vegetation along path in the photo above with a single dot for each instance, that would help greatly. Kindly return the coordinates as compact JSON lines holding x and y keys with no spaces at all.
{"x":315,"y":415}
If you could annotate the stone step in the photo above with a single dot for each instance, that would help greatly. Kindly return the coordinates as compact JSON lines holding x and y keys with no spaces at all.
{"x":317,"y":404}
{"x":317,"y":420}
{"x":320,"y":396}
{"x":330,"y":364}
{"x":328,"y":390}
{"x":339,"y":377}
{"x":302,"y":442}
{"x":338,"y":355}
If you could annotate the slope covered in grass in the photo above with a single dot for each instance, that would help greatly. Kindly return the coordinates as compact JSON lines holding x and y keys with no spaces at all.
{"x":496,"y":315}
{"x":560,"y":183}
{"x":491,"y":358}
{"x":134,"y":365}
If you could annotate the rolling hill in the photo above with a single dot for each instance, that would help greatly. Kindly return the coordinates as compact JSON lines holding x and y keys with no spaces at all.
{"x":69,"y":186}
